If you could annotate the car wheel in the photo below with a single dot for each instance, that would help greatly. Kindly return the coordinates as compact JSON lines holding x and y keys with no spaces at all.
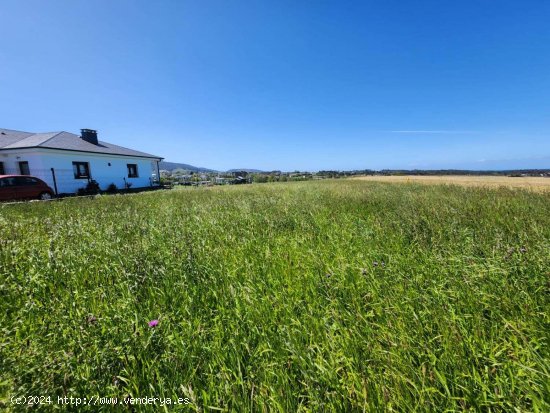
{"x":44,"y":196}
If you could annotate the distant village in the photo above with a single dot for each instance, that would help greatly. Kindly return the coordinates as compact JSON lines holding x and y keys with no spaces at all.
{"x":206,"y":177}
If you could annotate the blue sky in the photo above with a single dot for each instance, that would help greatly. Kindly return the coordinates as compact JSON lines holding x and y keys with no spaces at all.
{"x":287,"y":85}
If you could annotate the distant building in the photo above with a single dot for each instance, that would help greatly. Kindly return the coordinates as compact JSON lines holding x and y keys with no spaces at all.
{"x":240,"y":174}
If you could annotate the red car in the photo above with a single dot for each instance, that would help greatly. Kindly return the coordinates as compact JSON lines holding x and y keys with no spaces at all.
{"x":14,"y":187}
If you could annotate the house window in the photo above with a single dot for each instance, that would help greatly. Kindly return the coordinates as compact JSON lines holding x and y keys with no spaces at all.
{"x":81,"y":170}
{"x":132,"y":170}
{"x":24,"y":168}
{"x":2,"y":170}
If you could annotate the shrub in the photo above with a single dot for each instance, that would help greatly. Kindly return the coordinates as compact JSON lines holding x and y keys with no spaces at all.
{"x":111,"y":189}
{"x":92,"y":188}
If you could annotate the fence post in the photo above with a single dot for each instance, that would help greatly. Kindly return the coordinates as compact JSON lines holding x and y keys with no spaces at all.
{"x":158,"y":173}
{"x":54,"y":181}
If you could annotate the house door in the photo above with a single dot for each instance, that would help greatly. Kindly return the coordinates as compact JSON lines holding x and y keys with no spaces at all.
{"x":24,"y":168}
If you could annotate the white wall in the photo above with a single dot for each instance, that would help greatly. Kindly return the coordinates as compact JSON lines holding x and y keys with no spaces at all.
{"x":42,"y":160}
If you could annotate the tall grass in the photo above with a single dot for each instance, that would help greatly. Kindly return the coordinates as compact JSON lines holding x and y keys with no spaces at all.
{"x":329,"y":296}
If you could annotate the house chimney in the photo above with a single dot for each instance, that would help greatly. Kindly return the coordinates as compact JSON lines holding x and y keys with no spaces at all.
{"x":89,"y":135}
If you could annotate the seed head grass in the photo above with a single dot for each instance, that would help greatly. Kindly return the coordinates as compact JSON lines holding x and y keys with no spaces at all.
{"x":319,"y":296}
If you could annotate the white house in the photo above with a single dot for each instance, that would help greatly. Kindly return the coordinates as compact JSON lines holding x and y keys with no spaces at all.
{"x":67,"y":162}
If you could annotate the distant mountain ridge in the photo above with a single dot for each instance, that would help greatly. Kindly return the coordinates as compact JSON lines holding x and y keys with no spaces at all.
{"x":170,"y":166}
{"x":475,"y":169}
{"x":245,"y":170}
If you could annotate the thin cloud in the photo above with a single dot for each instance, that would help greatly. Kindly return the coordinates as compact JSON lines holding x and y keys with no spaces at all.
{"x":441,"y":132}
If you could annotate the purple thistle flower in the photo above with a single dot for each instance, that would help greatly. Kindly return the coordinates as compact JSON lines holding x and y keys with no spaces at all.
{"x":153,"y":323}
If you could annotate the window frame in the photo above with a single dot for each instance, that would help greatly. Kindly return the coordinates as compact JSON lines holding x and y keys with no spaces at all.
{"x":76,"y":170}
{"x":135,"y":167}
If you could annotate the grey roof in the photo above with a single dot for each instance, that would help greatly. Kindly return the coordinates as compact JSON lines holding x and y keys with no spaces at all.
{"x":11,"y":139}
{"x":8,"y":136}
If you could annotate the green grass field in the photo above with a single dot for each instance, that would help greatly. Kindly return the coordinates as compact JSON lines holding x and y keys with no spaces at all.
{"x":317,"y":296}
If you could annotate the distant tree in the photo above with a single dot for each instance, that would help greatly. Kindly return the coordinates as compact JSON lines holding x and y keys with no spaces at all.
{"x":259,"y":178}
